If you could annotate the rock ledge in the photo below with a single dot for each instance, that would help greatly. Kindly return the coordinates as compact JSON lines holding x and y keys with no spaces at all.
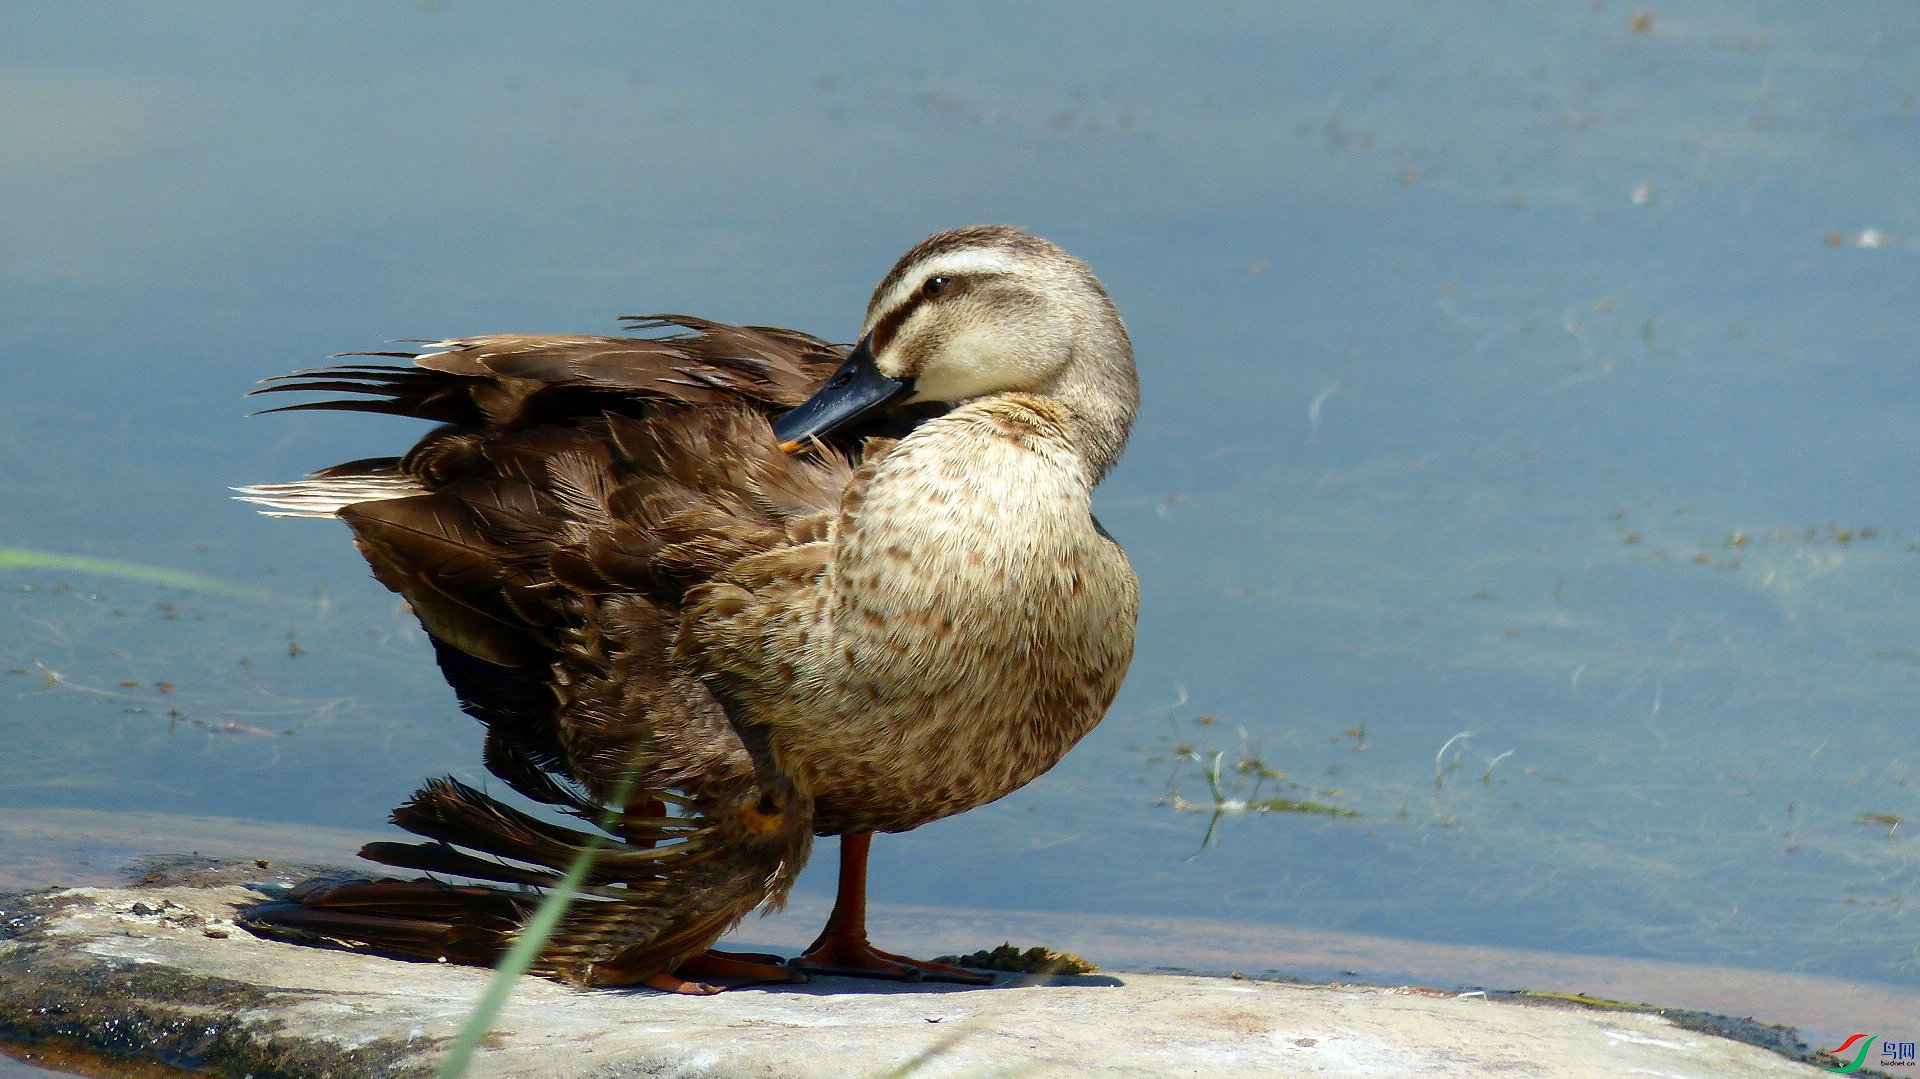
{"x":159,"y":972}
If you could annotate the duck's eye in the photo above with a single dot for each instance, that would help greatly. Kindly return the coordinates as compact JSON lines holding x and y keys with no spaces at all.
{"x":934,"y":285}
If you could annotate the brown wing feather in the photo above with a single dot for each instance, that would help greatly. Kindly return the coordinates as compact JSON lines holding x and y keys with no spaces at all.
{"x":573,"y":547}
{"x":506,"y":379}
{"x":577,"y":488}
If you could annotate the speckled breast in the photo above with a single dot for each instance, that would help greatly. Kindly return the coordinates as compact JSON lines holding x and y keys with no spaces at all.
{"x":981,"y":625}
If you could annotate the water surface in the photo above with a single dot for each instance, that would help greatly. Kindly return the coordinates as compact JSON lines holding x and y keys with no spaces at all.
{"x":1526,"y":465}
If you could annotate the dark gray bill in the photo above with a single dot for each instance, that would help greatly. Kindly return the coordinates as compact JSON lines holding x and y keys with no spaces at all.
{"x":856,"y":389}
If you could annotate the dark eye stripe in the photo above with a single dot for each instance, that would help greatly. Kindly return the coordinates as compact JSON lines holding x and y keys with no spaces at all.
{"x":891,"y":322}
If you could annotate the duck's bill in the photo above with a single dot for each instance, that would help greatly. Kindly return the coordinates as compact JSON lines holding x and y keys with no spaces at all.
{"x":855,"y":390}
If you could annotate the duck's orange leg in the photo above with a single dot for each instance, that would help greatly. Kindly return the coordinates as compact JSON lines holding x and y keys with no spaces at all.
{"x":674,"y":983}
{"x":714,"y":972}
{"x":739,"y":968}
{"x":842,"y":946}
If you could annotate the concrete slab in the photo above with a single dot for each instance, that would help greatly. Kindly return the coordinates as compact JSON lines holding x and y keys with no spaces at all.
{"x":42,"y":848}
{"x":161,"y":973}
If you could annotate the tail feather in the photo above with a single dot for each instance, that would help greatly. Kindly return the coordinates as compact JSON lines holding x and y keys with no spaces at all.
{"x":423,"y":919}
{"x":451,"y":811}
{"x":665,"y":889}
{"x":442,"y":858}
{"x":386,"y":930}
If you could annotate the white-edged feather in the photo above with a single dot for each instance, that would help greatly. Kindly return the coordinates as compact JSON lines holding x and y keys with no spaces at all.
{"x":324,"y":496}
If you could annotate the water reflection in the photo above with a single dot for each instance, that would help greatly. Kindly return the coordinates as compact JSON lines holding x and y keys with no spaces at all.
{"x":1534,"y":375}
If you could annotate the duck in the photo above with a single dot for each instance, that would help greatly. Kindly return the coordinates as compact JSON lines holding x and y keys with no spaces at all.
{"x":713,"y":590}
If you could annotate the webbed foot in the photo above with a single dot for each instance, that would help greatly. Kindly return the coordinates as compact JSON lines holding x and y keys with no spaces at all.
{"x":850,"y":956}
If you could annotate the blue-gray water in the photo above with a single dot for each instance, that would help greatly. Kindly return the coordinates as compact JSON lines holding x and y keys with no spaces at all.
{"x":1540,"y":372}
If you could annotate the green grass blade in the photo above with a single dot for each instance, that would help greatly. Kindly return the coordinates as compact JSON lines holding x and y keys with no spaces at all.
{"x":532,"y":938}
{"x":21,"y":558}
{"x":526,"y":948}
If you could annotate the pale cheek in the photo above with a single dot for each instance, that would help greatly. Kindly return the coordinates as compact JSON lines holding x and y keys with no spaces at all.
{"x":977,"y":363}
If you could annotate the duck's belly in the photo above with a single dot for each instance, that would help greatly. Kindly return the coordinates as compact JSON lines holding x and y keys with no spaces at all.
{"x":915,"y":763}
{"x":954,"y":703}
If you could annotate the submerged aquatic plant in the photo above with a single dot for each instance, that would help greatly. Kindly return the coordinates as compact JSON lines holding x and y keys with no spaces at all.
{"x":1236,"y":787}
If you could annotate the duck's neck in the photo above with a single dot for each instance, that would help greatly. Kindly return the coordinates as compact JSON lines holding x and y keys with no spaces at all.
{"x":1099,"y":394}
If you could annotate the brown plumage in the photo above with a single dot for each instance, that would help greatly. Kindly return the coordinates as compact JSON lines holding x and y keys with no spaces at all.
{"x":628,"y":581}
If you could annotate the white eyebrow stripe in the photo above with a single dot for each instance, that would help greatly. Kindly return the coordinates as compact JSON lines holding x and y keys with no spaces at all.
{"x":971,"y":260}
{"x":952,"y":264}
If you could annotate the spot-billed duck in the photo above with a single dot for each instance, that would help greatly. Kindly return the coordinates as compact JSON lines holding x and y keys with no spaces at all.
{"x":765,"y":586}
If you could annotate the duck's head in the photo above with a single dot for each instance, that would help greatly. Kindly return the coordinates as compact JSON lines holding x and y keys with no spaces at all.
{"x":981,"y":311}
